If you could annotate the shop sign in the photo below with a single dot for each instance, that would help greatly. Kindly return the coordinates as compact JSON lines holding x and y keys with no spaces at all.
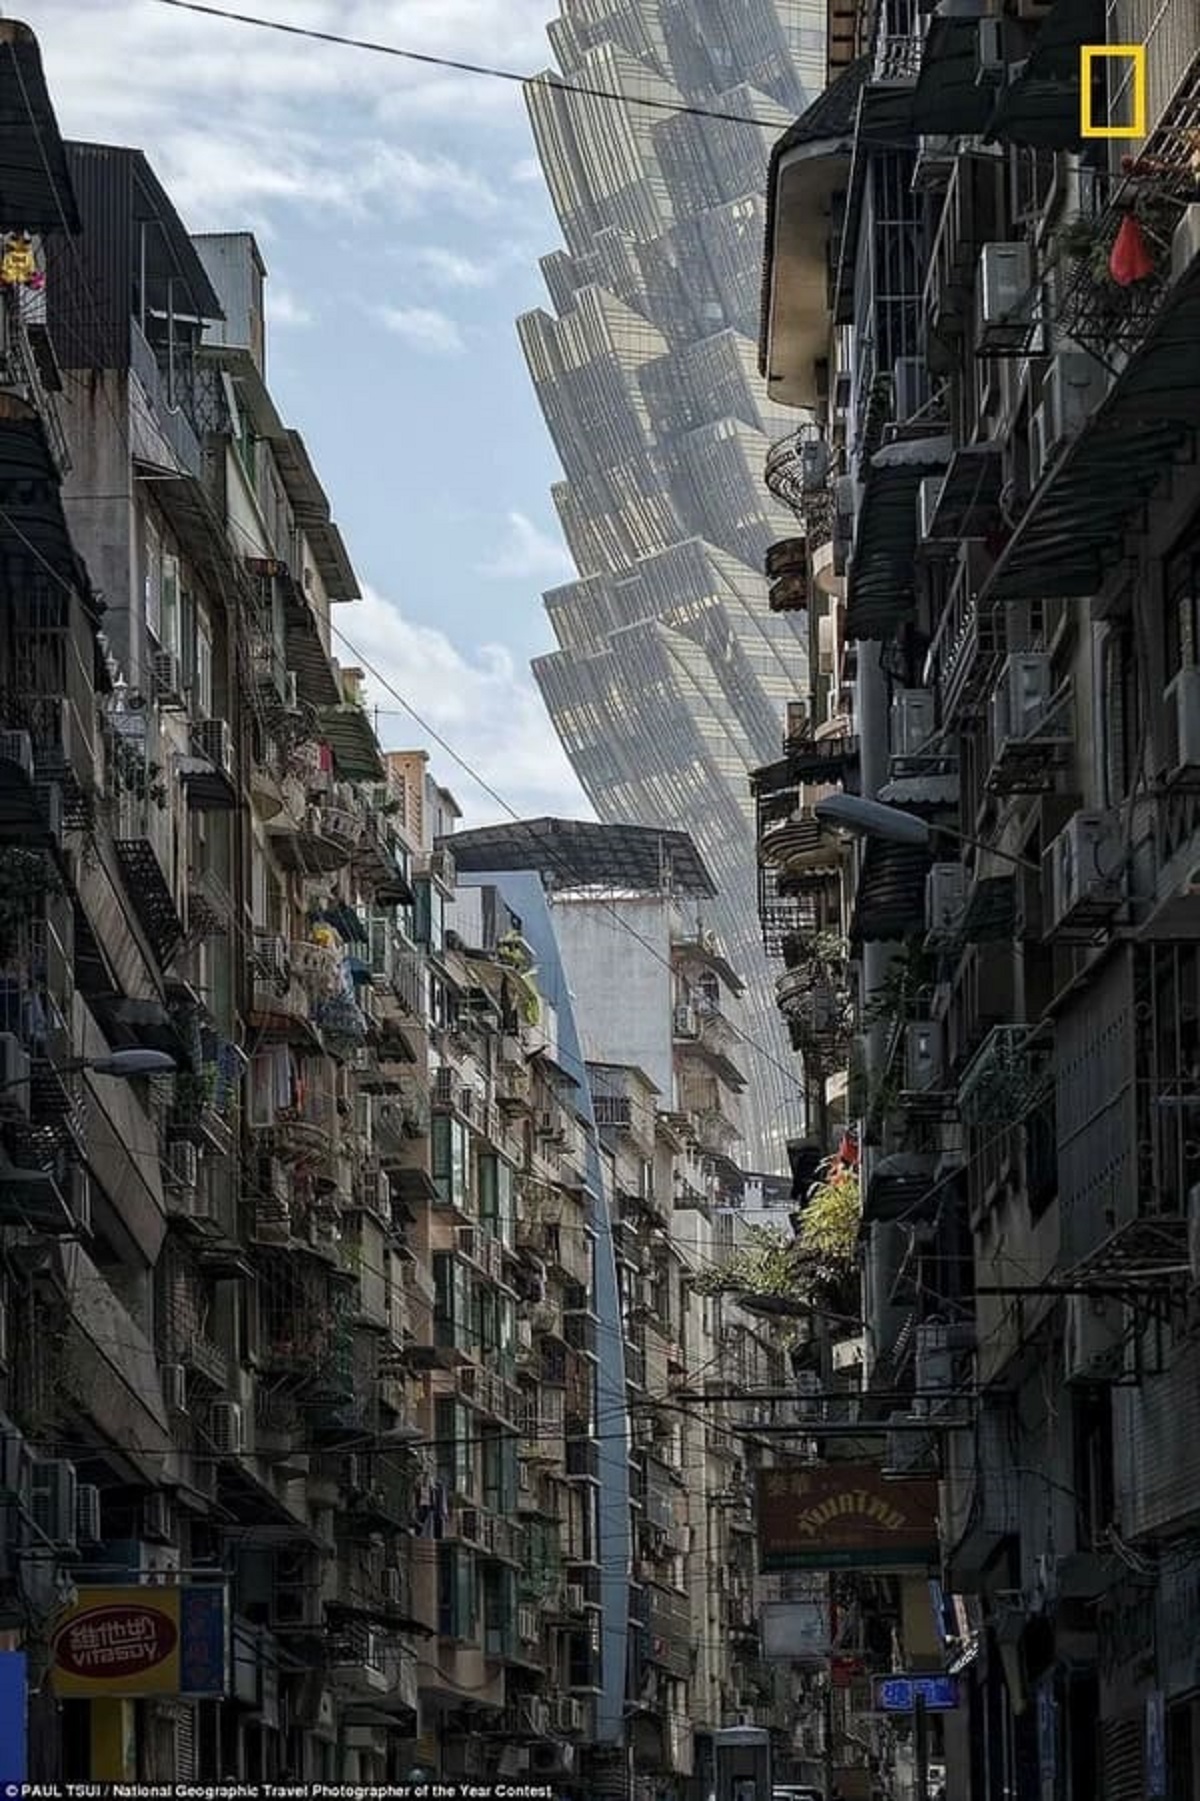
{"x":137,"y":1641}
{"x":845,"y":1516}
{"x":901,"y":1694}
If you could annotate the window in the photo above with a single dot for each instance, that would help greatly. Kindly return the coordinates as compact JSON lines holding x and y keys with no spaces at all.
{"x":452,"y":1308}
{"x":1120,"y":718}
{"x":497,"y":1210}
{"x":455,"y":1448}
{"x":152,"y":576}
{"x":456,"y":1592}
{"x":169,"y":633}
{"x":450,"y":1153}
{"x":204,"y":671}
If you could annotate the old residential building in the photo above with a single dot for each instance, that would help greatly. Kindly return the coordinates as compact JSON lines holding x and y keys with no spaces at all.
{"x":987,"y":322}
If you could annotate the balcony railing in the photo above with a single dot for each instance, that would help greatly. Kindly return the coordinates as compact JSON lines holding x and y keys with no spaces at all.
{"x":1007,"y":1077}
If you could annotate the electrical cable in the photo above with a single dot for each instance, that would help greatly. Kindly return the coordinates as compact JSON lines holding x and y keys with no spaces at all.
{"x":552,"y":82}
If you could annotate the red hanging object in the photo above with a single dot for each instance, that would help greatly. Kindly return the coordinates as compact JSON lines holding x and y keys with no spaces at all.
{"x":1130,"y":259}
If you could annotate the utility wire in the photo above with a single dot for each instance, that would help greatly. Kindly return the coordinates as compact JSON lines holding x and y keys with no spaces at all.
{"x":584,"y":89}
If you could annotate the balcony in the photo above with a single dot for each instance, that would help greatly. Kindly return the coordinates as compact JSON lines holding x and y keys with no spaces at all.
{"x":787,"y":571}
{"x":969,"y":639}
{"x":318,"y":841}
{"x":1008,"y":1077}
{"x":207,"y":774}
{"x":968,"y":221}
{"x":669,"y":1631}
{"x":169,"y":416}
{"x":583,"y":1460}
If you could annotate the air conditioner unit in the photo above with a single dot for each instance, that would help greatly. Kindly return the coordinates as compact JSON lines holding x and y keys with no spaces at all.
{"x":53,"y":1501}
{"x":174,"y":1386}
{"x":991,"y":62}
{"x":912,"y":721}
{"x":1085,"y":872}
{"x":227,"y":1428}
{"x":1182,"y":695}
{"x":574,"y":1597}
{"x":88,"y":1527}
{"x":685,"y":1021}
{"x":1021,"y":697}
{"x":183,"y":1165}
{"x":923,"y":1056}
{"x":212,"y":740}
{"x":1005,"y":280}
{"x":933,"y":1365}
{"x":166,"y":681}
{"x":1074,"y":385}
{"x":15,"y":1070}
{"x":928,"y":495}
{"x":945,"y":898}
{"x":1094,"y":1338}
{"x":157,"y":1518}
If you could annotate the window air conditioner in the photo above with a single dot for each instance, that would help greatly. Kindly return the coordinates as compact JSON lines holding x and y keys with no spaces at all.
{"x":227,"y":1428}
{"x":923,"y":1056}
{"x":1093,"y":1338}
{"x":1005,"y":279}
{"x":1085,"y":872}
{"x":1021,"y":697}
{"x":1074,"y":385}
{"x":912,"y":721}
{"x":212,"y":740}
{"x":166,"y":681}
{"x":945,"y":898}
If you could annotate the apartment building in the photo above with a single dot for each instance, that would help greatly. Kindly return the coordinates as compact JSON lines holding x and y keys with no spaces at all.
{"x":642,"y":984}
{"x":997,"y":516}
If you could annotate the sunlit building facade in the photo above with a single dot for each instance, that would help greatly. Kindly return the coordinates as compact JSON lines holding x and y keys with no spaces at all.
{"x":671,"y":671}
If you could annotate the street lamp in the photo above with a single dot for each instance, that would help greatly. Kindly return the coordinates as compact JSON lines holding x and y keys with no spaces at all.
{"x":875,"y":819}
{"x":123,"y":1066}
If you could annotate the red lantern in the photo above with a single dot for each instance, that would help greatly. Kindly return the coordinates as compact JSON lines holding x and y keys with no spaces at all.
{"x":1130,"y":260}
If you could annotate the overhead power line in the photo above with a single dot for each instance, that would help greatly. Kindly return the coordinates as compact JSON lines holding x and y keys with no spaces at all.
{"x":585,"y":90}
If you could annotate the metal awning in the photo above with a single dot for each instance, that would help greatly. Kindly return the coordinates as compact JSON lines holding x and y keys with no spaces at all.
{"x":1078,"y":514}
{"x":583,"y":853}
{"x":311,"y":507}
{"x":881,"y":582}
{"x":890,"y":897}
{"x":305,"y":651}
{"x":35,"y":184}
{"x":824,"y":760}
{"x":1040,"y":107}
{"x":896,"y":1185}
{"x":970,"y":492}
{"x":991,"y":911}
{"x":348,"y":731}
{"x":949,"y":100}
{"x":33,"y":526}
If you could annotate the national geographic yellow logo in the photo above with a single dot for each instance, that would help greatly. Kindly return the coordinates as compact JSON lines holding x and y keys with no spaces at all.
{"x":1135,"y":56}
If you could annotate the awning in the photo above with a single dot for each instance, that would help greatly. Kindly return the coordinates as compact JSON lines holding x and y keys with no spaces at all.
{"x":950,"y":100}
{"x":966,"y":505}
{"x":1078,"y":514}
{"x":889,"y":902}
{"x":991,"y":911}
{"x":311,"y":508}
{"x":33,"y":527}
{"x":348,"y":731}
{"x":881,"y":584}
{"x":1040,"y":107}
{"x":922,"y":793}
{"x":35,"y":185}
{"x":824,"y":760}
{"x":305,"y":651}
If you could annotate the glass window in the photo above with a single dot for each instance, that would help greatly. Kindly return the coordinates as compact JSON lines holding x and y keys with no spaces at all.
{"x":204,"y":672}
{"x":152,"y":576}
{"x":169,"y":632}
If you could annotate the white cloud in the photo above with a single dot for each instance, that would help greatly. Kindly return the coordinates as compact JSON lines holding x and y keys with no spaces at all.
{"x":451,"y":269}
{"x":283,"y":308}
{"x":479,"y":702}
{"x":527,"y":553}
{"x":423,"y":328}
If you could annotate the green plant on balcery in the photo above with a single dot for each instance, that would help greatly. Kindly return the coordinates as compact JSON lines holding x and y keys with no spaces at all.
{"x":26,"y":878}
{"x":779,"y":1272}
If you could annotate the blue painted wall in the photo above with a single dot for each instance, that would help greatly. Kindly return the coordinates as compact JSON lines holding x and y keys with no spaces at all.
{"x":525,"y":895}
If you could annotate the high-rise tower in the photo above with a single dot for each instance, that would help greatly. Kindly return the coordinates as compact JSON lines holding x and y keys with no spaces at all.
{"x":671,"y":675}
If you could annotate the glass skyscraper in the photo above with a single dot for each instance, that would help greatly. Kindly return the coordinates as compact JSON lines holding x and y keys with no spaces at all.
{"x":671,"y":674}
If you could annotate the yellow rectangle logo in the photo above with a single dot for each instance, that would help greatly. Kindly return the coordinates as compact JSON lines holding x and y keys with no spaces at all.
{"x":1089,"y":55}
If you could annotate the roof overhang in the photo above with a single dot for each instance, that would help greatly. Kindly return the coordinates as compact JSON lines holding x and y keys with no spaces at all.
{"x":1040,"y":108}
{"x":797,"y":313}
{"x":881,"y":581}
{"x":311,"y":507}
{"x":949,"y":100}
{"x":35,"y":182}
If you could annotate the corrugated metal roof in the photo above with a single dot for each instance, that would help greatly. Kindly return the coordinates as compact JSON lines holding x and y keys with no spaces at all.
{"x":35,"y":183}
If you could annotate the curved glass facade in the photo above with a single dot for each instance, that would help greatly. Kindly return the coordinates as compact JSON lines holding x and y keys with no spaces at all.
{"x":671,"y":676}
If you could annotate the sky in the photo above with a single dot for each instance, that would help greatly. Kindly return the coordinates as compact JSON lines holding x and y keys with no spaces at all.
{"x":401,"y":213}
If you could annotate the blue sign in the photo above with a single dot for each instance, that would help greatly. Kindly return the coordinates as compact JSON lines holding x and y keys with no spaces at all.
{"x":1047,"y":1712}
{"x":203,"y":1641}
{"x":14,"y":1687}
{"x":900,"y":1694}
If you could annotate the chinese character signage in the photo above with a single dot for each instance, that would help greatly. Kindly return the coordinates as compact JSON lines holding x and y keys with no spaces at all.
{"x":900,"y":1694}
{"x":845,"y":1516}
{"x":143,"y":1641}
